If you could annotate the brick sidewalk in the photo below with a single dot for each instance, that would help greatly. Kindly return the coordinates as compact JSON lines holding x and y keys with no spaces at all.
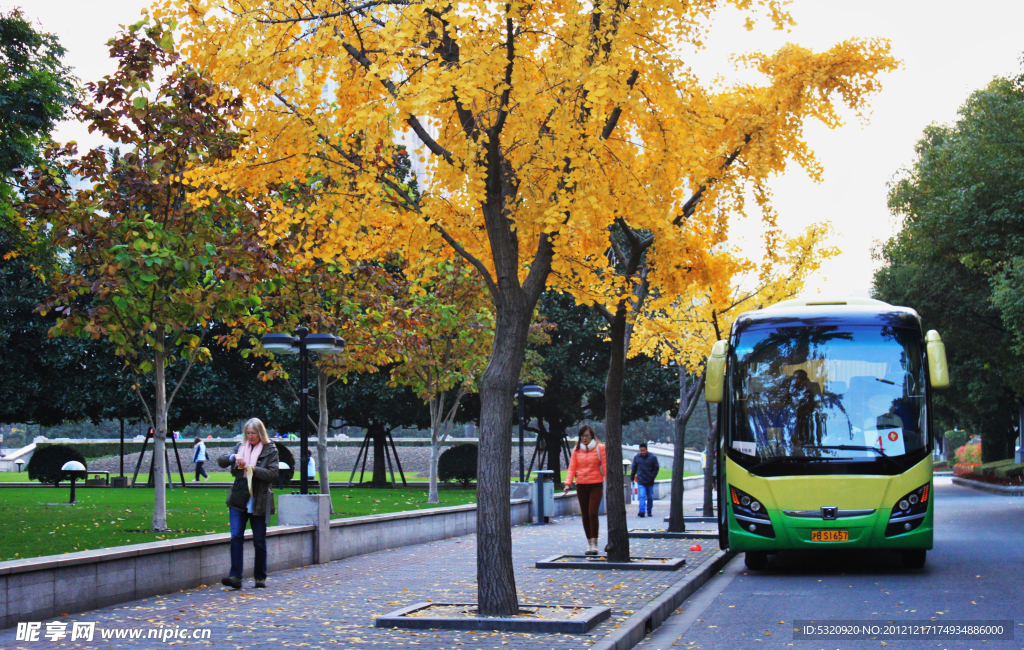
{"x":333,"y":605}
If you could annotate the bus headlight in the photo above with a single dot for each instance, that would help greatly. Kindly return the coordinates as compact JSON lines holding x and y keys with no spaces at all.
{"x":909,"y":512}
{"x":750,"y":514}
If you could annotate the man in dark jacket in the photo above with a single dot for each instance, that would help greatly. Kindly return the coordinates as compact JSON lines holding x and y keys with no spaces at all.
{"x":645,"y":472}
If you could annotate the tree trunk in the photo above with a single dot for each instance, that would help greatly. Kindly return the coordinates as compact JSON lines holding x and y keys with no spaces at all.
{"x":614,"y":497}
{"x":688,"y":398}
{"x":496,"y":583}
{"x":158,"y":467}
{"x":321,"y":436}
{"x":379,"y":434}
{"x":435,"y":455}
{"x":555,"y":436}
{"x":709,"y":471}
{"x":436,"y":407}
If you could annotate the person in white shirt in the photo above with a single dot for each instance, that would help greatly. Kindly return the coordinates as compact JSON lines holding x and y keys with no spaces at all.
{"x":199,"y":458}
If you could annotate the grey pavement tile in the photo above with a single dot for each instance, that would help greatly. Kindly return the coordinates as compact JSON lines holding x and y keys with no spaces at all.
{"x":334,"y":605}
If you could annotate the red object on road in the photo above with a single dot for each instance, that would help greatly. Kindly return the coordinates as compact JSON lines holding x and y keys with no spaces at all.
{"x":696,"y":547}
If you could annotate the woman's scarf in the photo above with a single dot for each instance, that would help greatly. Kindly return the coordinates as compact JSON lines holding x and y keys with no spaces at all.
{"x":591,"y":446}
{"x":250,"y":455}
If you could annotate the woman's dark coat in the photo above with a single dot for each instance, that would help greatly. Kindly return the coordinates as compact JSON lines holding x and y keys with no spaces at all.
{"x":264,"y":474}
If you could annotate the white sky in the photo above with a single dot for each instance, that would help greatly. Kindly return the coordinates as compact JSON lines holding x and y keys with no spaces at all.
{"x":948,"y":50}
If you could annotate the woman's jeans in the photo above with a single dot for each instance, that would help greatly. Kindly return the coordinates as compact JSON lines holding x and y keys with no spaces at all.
{"x":201,"y":469}
{"x":645,"y":495}
{"x":589,"y":495}
{"x":259,"y":541}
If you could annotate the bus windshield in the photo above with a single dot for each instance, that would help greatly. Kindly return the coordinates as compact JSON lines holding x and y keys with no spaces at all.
{"x":822,"y":394}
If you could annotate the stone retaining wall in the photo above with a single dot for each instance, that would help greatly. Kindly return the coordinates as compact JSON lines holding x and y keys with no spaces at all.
{"x":37,"y":588}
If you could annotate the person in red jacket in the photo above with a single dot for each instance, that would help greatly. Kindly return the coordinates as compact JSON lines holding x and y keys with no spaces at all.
{"x":588,"y":465}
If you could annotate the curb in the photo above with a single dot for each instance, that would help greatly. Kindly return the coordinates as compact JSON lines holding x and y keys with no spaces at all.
{"x":1003,"y":490}
{"x":654,"y":613}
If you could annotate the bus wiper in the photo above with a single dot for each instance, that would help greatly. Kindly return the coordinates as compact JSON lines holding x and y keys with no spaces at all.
{"x":779,"y":459}
{"x":863,"y":448}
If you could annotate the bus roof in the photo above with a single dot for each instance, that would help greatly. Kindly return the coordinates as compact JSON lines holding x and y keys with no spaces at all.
{"x":824,"y":301}
{"x":820,"y":311}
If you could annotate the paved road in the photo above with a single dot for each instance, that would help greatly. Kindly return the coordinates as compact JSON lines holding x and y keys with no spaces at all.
{"x":974,"y":573}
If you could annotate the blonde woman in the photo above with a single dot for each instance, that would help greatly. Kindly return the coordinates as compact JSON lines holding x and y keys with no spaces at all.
{"x":254,"y":466}
{"x":588,"y":465}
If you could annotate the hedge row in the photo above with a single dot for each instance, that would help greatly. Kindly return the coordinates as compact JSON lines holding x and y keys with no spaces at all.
{"x":1000,"y":469}
{"x":93,"y":450}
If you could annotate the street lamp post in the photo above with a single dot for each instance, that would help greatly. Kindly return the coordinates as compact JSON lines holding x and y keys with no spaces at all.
{"x":302,"y":345}
{"x":527,"y":390}
{"x":75,"y":470}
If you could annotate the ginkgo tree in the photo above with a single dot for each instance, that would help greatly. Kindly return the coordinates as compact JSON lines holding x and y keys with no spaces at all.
{"x":151,"y":263}
{"x":682,"y":331}
{"x":542,"y":124}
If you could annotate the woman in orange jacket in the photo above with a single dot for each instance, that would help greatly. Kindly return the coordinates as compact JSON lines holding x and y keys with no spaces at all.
{"x":588,"y":465}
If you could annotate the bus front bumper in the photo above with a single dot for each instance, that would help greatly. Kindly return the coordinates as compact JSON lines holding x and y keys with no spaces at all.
{"x":793,"y":534}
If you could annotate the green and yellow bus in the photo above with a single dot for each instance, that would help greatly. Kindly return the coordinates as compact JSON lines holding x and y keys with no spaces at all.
{"x":825,"y":436}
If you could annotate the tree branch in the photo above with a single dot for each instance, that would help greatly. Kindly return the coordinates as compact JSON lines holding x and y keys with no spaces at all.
{"x":691,"y":204}
{"x":413,"y":122}
{"x":613,"y":119}
{"x":336,"y":14}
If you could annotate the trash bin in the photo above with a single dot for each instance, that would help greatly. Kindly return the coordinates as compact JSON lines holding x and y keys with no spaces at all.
{"x":544,"y":496}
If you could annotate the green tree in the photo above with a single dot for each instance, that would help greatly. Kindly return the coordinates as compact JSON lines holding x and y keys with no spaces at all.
{"x":985,"y":368}
{"x":575,"y":365}
{"x":957,"y":259}
{"x":363,"y":304}
{"x":46,"y":380}
{"x":154,"y":257}
{"x":371,"y":401}
{"x":454,"y":330}
{"x":36,"y":90}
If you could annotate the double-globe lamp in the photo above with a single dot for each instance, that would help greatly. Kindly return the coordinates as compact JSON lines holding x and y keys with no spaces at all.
{"x":302,"y":345}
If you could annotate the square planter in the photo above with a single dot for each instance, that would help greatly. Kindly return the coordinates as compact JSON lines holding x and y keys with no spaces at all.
{"x":601,"y":562}
{"x":460,"y":616}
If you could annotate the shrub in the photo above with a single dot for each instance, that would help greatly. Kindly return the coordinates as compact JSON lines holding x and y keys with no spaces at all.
{"x":989,"y":469}
{"x":953,"y":440}
{"x":458,"y":463}
{"x":969,"y":453}
{"x":46,"y":462}
{"x":964,"y":469}
{"x":94,"y":450}
{"x":1009,"y":470}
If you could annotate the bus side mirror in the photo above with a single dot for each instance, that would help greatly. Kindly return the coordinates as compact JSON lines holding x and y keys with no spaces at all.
{"x":938,"y":371}
{"x":714,"y":382}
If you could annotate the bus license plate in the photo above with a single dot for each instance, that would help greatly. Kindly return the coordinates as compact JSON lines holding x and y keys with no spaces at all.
{"x":830,"y":535}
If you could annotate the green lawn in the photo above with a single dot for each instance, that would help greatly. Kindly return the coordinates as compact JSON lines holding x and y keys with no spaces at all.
{"x":336,"y":477}
{"x":39,"y":521}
